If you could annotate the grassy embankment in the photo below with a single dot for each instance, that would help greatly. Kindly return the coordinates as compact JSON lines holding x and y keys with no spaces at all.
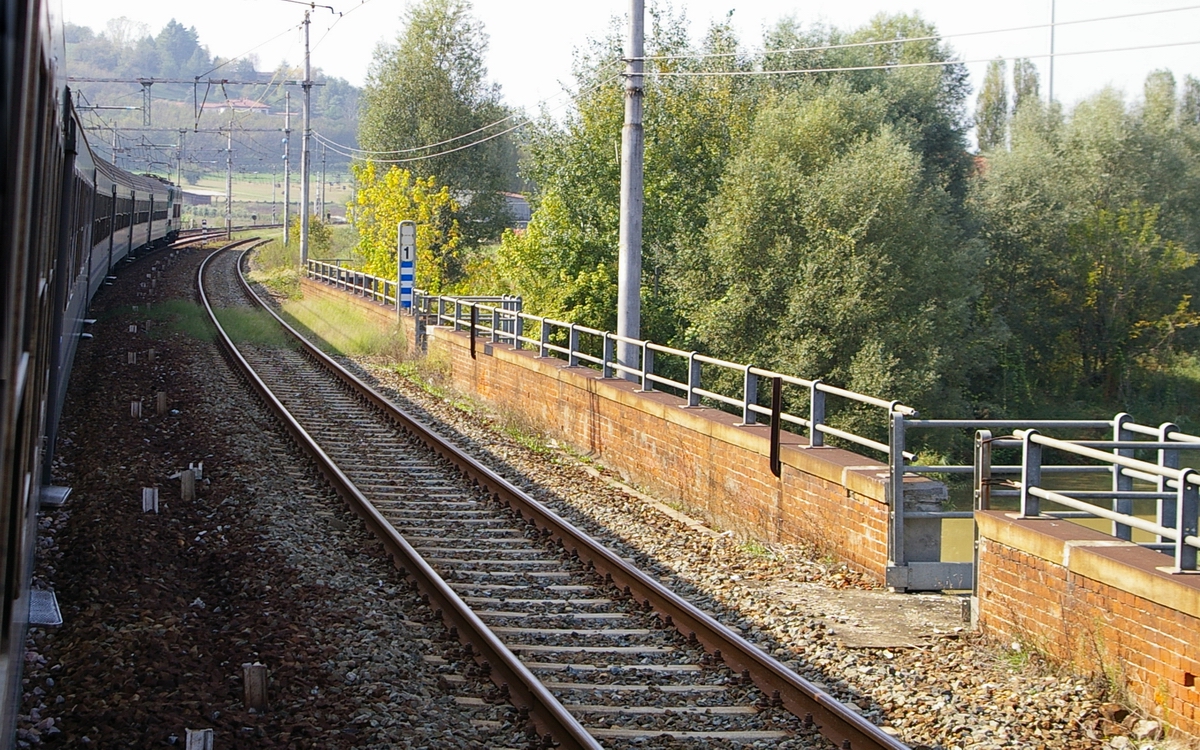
{"x":340,"y":328}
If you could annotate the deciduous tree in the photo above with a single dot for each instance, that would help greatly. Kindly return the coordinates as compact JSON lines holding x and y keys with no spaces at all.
{"x":427,"y":96}
{"x":991,"y":110}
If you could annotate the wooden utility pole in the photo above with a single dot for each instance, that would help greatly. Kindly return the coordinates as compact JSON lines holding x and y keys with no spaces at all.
{"x":629,"y":265}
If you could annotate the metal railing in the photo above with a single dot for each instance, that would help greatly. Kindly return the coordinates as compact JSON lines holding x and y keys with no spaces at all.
{"x":581,"y":346}
{"x":1176,"y":491}
{"x":501,"y":320}
{"x":383,"y":291}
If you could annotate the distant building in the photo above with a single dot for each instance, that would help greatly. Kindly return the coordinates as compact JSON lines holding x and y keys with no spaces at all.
{"x":200,"y":197}
{"x":238,"y":105}
{"x":518,"y":209}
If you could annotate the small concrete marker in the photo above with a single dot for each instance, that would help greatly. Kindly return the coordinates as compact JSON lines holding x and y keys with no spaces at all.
{"x":160,"y":400}
{"x":151,"y":355}
{"x":187,"y":485}
{"x":133,"y":327}
{"x":254,"y":686}
{"x":132,"y":358}
{"x":135,"y":409}
{"x":199,"y":739}
{"x":149,"y":499}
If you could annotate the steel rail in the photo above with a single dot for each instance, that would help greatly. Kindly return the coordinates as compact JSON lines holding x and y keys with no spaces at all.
{"x":525,"y":689}
{"x":836,"y":722}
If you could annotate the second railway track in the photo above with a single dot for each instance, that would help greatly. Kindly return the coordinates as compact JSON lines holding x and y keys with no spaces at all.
{"x":593,"y":652}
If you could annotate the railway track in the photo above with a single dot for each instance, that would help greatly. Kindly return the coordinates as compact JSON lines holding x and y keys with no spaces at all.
{"x":592,"y":651}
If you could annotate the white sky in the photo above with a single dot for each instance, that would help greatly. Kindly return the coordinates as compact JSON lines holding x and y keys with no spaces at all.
{"x":532,"y":40}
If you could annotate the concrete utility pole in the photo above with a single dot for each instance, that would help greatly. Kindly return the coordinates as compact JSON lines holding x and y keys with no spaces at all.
{"x":321,"y":193}
{"x":1050,"y":87}
{"x":179,"y":161}
{"x":305,"y":154}
{"x":629,"y":266}
{"x":229,"y":179}
{"x":287,"y":167}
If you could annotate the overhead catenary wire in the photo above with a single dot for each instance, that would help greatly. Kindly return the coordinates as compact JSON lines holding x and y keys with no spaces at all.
{"x":249,"y":51}
{"x":455,"y":139}
{"x":908,"y":40}
{"x":334,"y":146}
{"x":897,"y":66}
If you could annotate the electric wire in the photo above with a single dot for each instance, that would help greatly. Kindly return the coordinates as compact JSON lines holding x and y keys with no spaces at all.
{"x":335,"y":147}
{"x":897,"y":66}
{"x":249,"y":51}
{"x":907,"y":40}
{"x":355,"y":151}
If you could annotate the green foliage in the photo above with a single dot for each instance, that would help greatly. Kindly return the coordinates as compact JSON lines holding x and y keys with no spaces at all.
{"x":1091,"y":221}
{"x":1026,"y":84}
{"x":431,"y":88}
{"x":182,"y":316}
{"x":1126,"y":286}
{"x":383,"y":201}
{"x":343,"y":329}
{"x":246,"y":325}
{"x":991,"y":110}
{"x":854,"y":270}
{"x":320,"y":238}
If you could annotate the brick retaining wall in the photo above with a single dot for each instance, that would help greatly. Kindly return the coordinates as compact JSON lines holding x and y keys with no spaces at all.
{"x":698,"y":457}
{"x":1097,"y":604}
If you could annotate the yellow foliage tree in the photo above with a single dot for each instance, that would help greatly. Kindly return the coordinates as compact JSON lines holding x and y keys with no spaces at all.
{"x":383,"y":201}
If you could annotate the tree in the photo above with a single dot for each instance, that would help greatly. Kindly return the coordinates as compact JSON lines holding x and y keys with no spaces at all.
{"x":1081,"y":217}
{"x":1026,"y":84}
{"x":180,"y":51}
{"x":1190,"y":109}
{"x":1158,"y":108}
{"x":383,"y":201}
{"x":431,"y":88}
{"x":1127,"y":288}
{"x":829,"y":255}
{"x":991,"y":111}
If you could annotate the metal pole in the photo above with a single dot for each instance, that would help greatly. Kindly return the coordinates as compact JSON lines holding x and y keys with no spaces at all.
{"x":321,"y":194}
{"x":1050,"y":88}
{"x":229,"y":179}
{"x":305,"y":155}
{"x":629,"y":265}
{"x":274,"y":184}
{"x":287,"y":167}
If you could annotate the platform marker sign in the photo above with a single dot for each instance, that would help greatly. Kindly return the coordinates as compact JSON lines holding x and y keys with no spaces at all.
{"x":406,"y":254}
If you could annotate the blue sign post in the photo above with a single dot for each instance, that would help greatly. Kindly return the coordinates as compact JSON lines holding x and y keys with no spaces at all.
{"x":406,"y":255}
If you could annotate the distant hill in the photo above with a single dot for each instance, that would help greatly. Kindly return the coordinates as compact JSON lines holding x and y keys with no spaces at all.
{"x":126,"y":49}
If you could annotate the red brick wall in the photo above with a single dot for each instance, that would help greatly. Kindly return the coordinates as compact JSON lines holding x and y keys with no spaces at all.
{"x":1097,"y":605}
{"x":697,"y":457}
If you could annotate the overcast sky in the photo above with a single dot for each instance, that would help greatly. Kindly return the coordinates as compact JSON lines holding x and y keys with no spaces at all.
{"x":532,"y":40}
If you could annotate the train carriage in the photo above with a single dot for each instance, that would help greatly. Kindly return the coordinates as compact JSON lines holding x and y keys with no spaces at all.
{"x":67,"y":220}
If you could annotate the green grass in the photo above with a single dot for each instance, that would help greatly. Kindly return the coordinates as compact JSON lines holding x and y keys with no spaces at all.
{"x":253,"y":326}
{"x":257,"y":188}
{"x":343,"y":329}
{"x":180,"y":316}
{"x":755,"y":548}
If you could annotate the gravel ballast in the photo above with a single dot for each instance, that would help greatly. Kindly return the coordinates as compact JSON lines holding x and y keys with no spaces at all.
{"x":161,"y":611}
